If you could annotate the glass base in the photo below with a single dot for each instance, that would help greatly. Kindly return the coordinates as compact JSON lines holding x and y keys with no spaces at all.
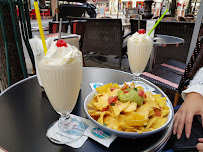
{"x":137,"y":82}
{"x":73,"y":128}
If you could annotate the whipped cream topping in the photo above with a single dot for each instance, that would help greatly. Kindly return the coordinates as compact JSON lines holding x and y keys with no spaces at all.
{"x":66,"y":54}
{"x":140,"y":38}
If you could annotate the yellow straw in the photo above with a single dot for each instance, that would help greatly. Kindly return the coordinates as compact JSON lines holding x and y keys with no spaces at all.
{"x":40,"y":26}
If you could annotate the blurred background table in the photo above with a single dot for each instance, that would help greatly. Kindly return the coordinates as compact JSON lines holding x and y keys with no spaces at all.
{"x":166,"y":40}
{"x":26,"y":114}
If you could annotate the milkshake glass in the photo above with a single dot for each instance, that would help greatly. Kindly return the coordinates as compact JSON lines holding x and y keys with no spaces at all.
{"x":61,"y":79}
{"x":139,"y":47}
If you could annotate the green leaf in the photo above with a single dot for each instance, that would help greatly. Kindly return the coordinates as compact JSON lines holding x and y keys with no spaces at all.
{"x":104,"y":124}
{"x":135,"y":89}
{"x":113,"y":104}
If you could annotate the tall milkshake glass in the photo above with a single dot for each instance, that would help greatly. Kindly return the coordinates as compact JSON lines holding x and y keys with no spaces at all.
{"x":61,"y":79}
{"x":139,"y":47}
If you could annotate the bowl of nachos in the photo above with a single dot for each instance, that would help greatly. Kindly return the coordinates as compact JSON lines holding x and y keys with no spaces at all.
{"x":128,"y":111}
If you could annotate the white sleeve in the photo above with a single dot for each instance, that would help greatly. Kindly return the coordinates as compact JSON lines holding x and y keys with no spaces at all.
{"x":196,"y":84}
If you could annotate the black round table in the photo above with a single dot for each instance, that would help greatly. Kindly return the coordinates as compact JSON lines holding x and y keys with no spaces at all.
{"x":26,"y":114}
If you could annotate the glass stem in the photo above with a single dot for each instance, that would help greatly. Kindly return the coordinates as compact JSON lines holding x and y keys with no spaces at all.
{"x":64,"y":120}
{"x":136,"y":77}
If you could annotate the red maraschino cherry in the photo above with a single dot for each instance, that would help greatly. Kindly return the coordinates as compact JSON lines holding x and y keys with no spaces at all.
{"x":141,"y":31}
{"x":61,"y":43}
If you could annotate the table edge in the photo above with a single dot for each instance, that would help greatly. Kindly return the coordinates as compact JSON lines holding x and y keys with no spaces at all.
{"x":36,"y":75}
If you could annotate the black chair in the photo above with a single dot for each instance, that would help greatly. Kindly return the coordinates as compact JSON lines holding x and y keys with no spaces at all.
{"x":54,"y":26}
{"x":170,"y":19}
{"x":77,"y":25}
{"x":103,"y":36}
{"x":135,"y":16}
{"x":106,"y":17}
{"x":174,"y":75}
{"x":180,"y":18}
{"x":71,"y":10}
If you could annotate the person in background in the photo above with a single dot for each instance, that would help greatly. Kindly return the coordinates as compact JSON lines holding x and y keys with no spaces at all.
{"x":91,"y":10}
{"x":192,"y":105}
{"x":163,"y":9}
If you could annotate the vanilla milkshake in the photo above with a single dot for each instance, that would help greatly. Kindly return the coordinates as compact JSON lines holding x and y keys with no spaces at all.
{"x":61,"y":74}
{"x":139,"y":49}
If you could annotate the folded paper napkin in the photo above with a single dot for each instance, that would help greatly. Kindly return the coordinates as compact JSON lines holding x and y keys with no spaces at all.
{"x":149,"y":26}
{"x":59,"y":137}
{"x":37,"y":49}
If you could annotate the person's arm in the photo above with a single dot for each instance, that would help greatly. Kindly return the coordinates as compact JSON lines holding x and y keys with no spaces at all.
{"x":192,"y":105}
{"x":196,"y":85}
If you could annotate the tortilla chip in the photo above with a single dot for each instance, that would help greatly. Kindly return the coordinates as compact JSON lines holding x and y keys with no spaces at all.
{"x":139,"y":88}
{"x":150,"y":122}
{"x":164,"y":113}
{"x":101,"y":118}
{"x":102,"y":102}
{"x":151,"y":112}
{"x":104,"y":88}
{"x":139,"y":129}
{"x":115,"y":85}
{"x":149,"y":96}
{"x":159,"y":122}
{"x":134,"y":119}
{"x":144,"y":110}
{"x":129,"y":130}
{"x":91,"y":105}
{"x":119,"y":107}
{"x":135,"y":122}
{"x":133,"y":116}
{"x":112,"y":123}
{"x":132,"y":107}
{"x":132,"y":85}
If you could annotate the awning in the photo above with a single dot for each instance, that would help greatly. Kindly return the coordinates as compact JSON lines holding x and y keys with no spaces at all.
{"x":98,"y":1}
{"x":126,"y":0}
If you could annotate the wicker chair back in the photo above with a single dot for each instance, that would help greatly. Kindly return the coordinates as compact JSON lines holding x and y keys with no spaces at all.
{"x":103,"y":36}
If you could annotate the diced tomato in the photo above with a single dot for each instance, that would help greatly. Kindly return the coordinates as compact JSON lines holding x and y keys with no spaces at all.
{"x":126,"y":91}
{"x":145,"y":95}
{"x":113,"y":89}
{"x":157,"y":112}
{"x":94,"y":117}
{"x":104,"y":109}
{"x":124,"y":87}
{"x":141,"y":93}
{"x":112,"y":99}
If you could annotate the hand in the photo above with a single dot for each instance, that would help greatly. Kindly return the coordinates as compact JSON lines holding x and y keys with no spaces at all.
{"x":192,"y":105}
{"x":200,"y":145}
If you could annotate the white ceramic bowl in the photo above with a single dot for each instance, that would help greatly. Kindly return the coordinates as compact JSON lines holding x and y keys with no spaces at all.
{"x":122,"y":133}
